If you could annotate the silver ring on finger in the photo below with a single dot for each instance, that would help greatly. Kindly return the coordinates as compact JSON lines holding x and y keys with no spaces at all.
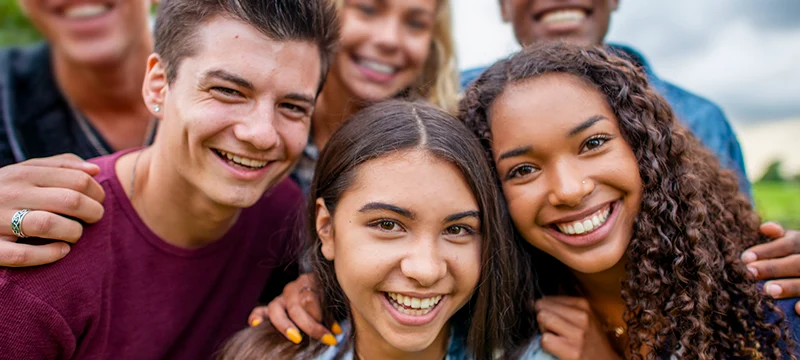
{"x":16,"y":223}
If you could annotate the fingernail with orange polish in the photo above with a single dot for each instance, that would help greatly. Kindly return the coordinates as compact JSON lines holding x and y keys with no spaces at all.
{"x":255,"y":322}
{"x":294,"y":335}
{"x":329,"y":340}
{"x":336,"y":328}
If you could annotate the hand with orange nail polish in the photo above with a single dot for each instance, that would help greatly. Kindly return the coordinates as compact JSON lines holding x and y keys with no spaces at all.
{"x":298,"y":309}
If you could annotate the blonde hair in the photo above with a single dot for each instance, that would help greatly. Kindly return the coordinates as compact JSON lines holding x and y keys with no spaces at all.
{"x":438,"y":83}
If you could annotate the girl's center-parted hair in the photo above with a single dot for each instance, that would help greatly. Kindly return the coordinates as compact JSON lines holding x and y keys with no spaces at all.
{"x":438,"y":83}
{"x":380,"y":130}
{"x":687,"y":293}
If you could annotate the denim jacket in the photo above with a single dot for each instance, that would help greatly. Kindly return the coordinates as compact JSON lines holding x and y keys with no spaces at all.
{"x":701,"y":116}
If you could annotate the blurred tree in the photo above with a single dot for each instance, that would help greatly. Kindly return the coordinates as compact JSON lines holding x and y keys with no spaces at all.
{"x":14,"y":27}
{"x":773,"y":172}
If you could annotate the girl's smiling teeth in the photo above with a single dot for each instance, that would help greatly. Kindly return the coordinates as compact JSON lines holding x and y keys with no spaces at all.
{"x":411,"y":305}
{"x":377,"y":66}
{"x":587,"y":224}
{"x":239,"y":161}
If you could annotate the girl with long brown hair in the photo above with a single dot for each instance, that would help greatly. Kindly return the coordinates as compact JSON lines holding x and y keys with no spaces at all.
{"x":634,"y":225}
{"x":408,"y":243}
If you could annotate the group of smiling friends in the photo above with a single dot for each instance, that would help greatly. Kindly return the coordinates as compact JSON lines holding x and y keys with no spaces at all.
{"x":562,"y":203}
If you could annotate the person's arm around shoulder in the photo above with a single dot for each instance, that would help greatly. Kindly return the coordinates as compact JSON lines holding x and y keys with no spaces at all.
{"x":47,"y":198}
{"x":31,"y":328}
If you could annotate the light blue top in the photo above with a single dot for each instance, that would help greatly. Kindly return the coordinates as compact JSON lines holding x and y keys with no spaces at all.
{"x":456,"y":350}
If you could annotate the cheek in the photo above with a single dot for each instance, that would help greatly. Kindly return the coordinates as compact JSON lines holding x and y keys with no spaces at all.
{"x":465,"y":264}
{"x":295,"y":136}
{"x":521,"y":203}
{"x":419,"y":49}
{"x":353,"y":32}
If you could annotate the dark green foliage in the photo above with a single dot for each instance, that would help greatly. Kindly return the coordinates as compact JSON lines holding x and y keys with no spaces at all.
{"x":15,"y":29}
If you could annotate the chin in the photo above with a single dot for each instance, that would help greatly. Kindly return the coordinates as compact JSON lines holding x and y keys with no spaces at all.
{"x":593,"y":262}
{"x":98,"y":53}
{"x":370,"y":93}
{"x":237,"y":198}
{"x":413,"y":342}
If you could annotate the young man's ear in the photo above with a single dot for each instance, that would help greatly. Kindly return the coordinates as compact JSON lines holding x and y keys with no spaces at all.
{"x":505,"y":10}
{"x":155,"y":85}
{"x":613,"y":5}
{"x":324,"y":225}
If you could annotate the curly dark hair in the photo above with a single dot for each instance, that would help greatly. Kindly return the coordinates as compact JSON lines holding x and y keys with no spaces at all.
{"x":686,"y":287}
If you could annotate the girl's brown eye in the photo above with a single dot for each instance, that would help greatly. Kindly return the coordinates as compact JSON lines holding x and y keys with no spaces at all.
{"x":594,"y":143}
{"x":455,"y":230}
{"x":387,"y":225}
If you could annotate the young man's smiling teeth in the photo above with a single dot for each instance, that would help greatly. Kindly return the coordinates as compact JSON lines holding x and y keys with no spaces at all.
{"x":563,"y":15}
{"x":587,"y":224}
{"x":241,"y":161}
{"x":410,"y":305}
{"x":83,"y":11}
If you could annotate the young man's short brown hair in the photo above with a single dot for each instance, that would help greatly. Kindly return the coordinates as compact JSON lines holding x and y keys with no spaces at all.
{"x":281,"y":20}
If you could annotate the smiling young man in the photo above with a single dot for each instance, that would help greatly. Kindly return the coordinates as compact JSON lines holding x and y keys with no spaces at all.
{"x":197,"y":223}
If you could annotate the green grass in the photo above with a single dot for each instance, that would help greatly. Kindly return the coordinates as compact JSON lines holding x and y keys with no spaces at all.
{"x":779,"y":202}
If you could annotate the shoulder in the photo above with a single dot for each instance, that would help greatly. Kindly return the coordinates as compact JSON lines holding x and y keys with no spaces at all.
{"x":106,"y":164}
{"x":692,"y":109}
{"x":468,"y":76}
{"x":791,"y":316}
{"x":31,"y":327}
{"x":24,"y":64}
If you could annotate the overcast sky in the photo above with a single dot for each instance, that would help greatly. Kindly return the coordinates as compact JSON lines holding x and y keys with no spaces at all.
{"x":742,"y":54}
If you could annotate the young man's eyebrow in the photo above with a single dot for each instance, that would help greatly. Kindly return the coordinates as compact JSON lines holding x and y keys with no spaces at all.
{"x":461,"y":215}
{"x":515,"y":152}
{"x":227,"y":76}
{"x":586,"y":124}
{"x":301,"y":97}
{"x":373,"y":206}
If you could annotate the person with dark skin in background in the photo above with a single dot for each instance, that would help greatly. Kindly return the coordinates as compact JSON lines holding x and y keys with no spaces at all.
{"x":586,"y":22}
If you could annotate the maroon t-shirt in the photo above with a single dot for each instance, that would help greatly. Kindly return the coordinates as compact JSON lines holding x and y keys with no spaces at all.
{"x":124,"y":293}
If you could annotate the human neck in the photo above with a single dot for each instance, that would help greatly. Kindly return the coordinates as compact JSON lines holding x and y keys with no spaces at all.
{"x":109,"y":96}
{"x":370,"y":345}
{"x":334,"y":105}
{"x":172,"y":208}
{"x":604,"y":292}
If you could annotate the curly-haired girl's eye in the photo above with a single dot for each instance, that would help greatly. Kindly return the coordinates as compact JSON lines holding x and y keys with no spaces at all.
{"x":595,"y":142}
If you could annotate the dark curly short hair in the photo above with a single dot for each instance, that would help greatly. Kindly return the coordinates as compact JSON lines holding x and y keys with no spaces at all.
{"x":686,"y":289}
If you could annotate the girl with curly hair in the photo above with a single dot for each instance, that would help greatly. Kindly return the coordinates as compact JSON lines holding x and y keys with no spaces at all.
{"x":635,"y":225}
